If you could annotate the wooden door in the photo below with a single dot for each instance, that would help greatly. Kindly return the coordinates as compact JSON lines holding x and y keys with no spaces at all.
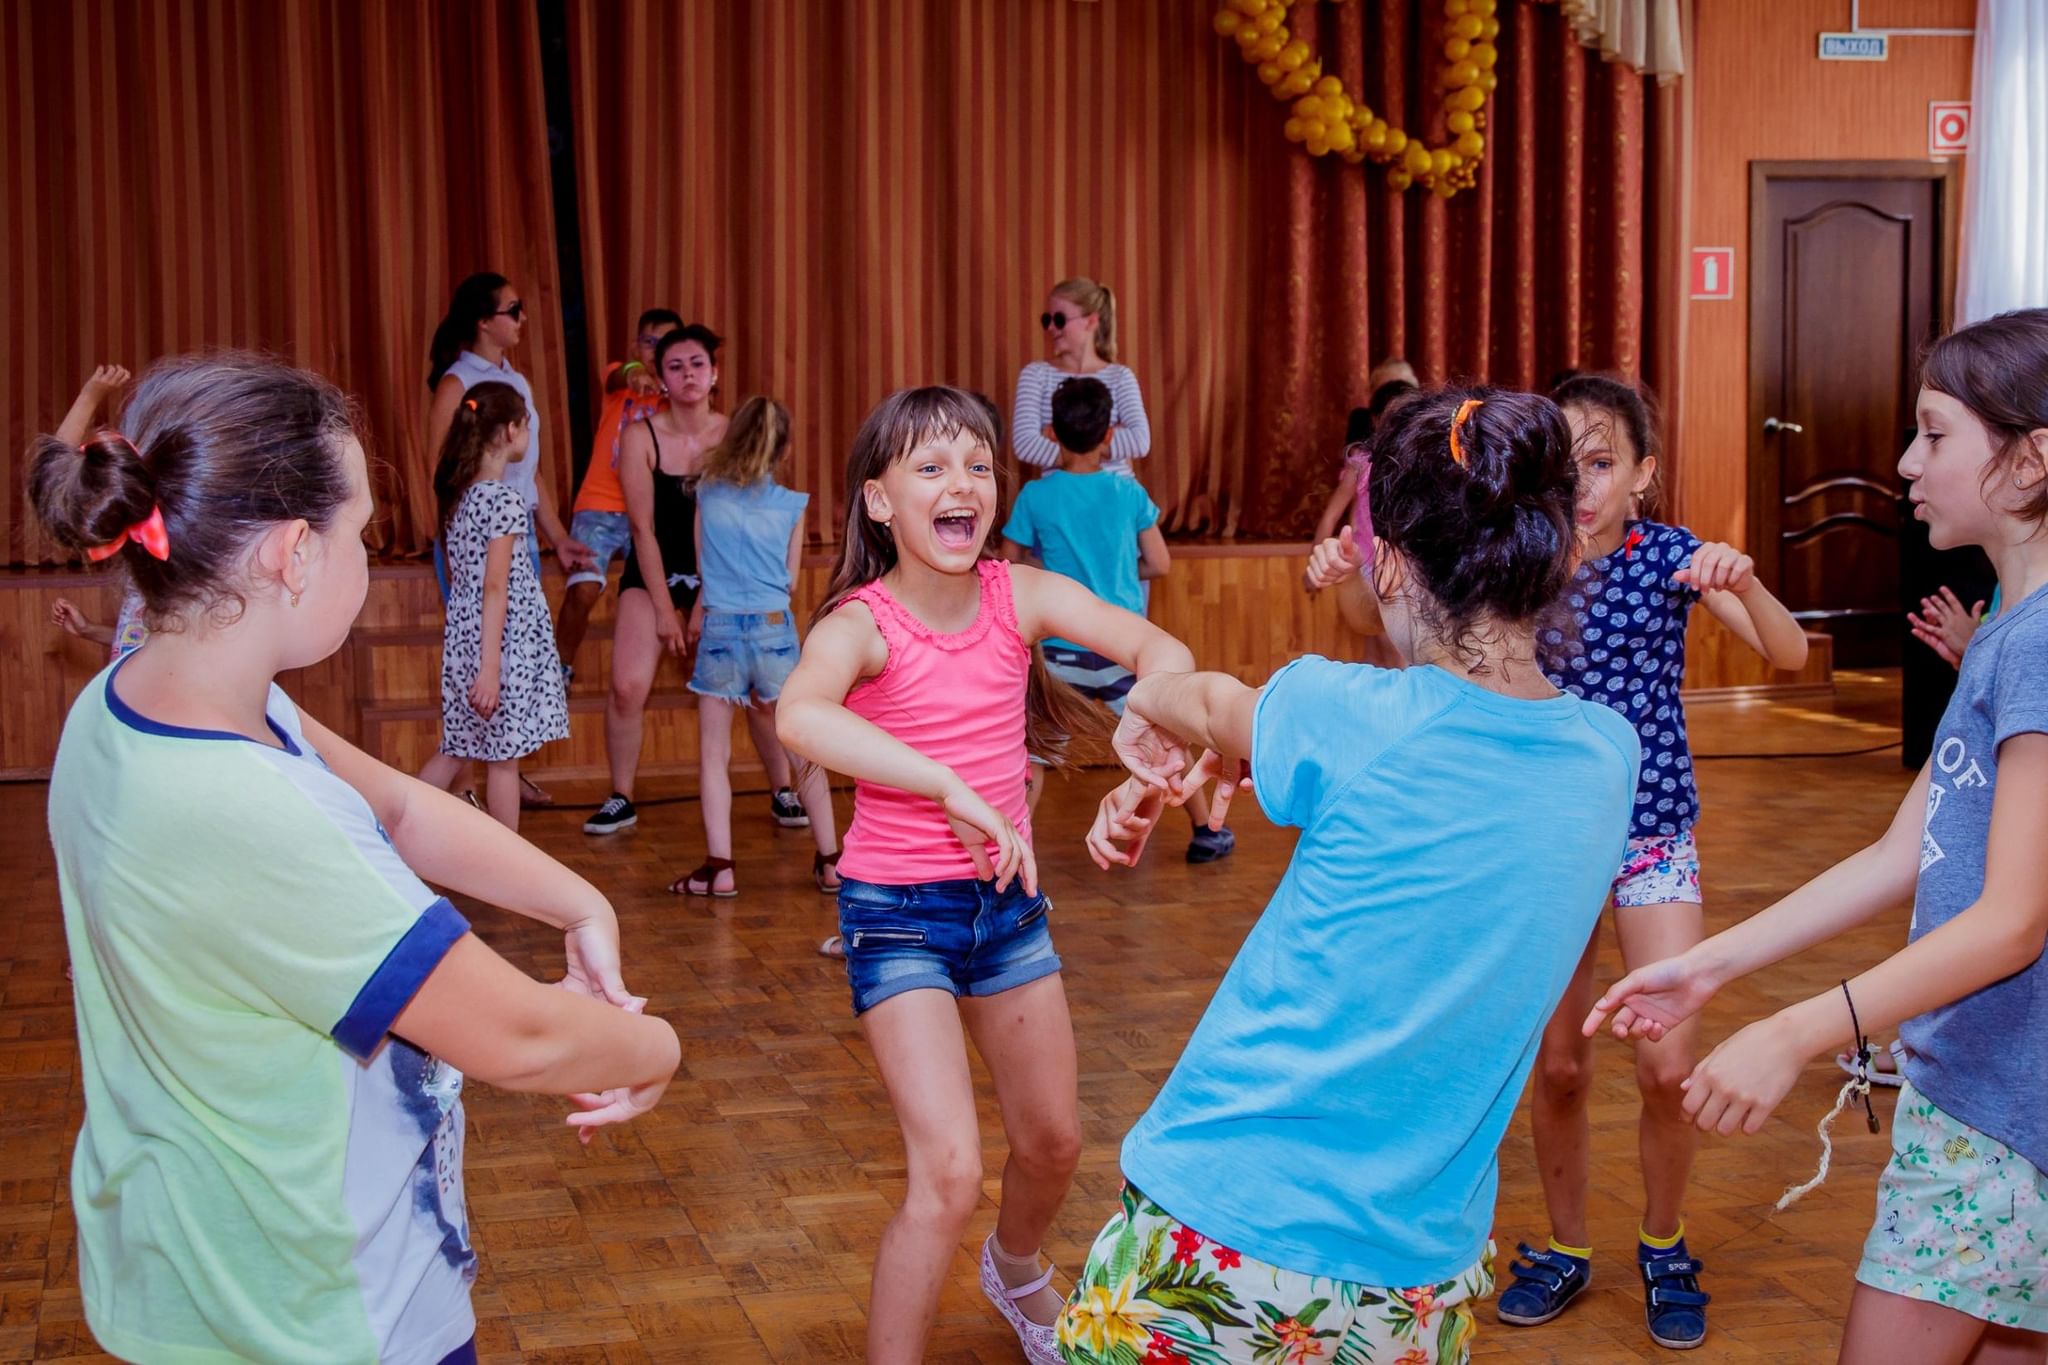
{"x":1847,"y":285}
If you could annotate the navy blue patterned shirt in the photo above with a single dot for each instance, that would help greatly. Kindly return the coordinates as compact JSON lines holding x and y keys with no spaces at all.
{"x":1630,"y":655}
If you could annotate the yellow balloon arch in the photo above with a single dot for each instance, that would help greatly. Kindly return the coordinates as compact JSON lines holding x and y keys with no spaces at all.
{"x":1327,"y":119}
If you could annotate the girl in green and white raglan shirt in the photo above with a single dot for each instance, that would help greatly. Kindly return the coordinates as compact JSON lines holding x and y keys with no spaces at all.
{"x":275,"y":1012}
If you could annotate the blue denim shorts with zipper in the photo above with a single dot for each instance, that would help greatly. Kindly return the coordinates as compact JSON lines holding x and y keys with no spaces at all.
{"x":961,"y":937}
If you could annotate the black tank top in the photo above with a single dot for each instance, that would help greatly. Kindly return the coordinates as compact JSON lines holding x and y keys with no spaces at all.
{"x":675,"y":531}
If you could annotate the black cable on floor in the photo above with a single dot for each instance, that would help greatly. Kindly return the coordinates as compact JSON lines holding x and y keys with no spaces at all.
{"x":1808,"y":753}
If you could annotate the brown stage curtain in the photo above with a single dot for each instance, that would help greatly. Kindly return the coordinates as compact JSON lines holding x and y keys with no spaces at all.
{"x":307,"y":177}
{"x":864,"y":194}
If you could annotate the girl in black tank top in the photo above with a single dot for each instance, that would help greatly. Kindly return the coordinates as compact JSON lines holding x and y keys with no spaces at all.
{"x":675,"y":532}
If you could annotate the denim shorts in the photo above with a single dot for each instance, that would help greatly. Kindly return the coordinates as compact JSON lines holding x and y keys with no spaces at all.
{"x":744,"y":656}
{"x":608,"y":534}
{"x":961,"y":937}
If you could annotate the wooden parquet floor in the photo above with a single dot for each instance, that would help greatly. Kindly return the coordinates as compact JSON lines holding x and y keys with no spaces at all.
{"x":737,"y":1223}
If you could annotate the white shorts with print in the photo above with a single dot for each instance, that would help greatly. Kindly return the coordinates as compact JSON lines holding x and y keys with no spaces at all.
{"x":1659,"y":870}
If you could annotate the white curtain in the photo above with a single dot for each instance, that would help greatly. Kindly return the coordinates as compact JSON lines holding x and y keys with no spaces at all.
{"x":1641,"y":33}
{"x":2005,"y":208}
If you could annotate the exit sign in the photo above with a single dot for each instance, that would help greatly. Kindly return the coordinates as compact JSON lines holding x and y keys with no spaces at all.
{"x":1854,"y":47}
{"x":1713,"y":272}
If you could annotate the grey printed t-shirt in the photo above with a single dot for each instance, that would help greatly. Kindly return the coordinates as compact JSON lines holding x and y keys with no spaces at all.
{"x":1982,"y":1058}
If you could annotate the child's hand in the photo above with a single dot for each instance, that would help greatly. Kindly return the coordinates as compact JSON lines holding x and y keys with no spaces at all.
{"x":591,"y":950}
{"x":1127,"y":815}
{"x":574,"y":554}
{"x":483,"y":693}
{"x":1651,"y":1000}
{"x":670,"y":630}
{"x":1232,"y":775}
{"x":64,"y":612}
{"x":1333,"y":561}
{"x":1944,"y":626}
{"x":1153,"y":755}
{"x":641,"y":382}
{"x":696,"y":630}
{"x":1718,"y":568}
{"x":614,"y":1106}
{"x":977,"y":824}
{"x":104,"y":379}
{"x":1742,"y":1081}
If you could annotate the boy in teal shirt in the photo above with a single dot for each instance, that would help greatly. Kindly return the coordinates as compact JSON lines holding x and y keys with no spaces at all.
{"x":1078,"y":521}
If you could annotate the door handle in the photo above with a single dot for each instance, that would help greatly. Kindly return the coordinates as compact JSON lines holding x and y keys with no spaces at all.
{"x":1772,"y":426}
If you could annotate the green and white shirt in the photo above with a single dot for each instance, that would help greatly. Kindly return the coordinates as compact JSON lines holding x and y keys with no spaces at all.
{"x":264,"y":1172}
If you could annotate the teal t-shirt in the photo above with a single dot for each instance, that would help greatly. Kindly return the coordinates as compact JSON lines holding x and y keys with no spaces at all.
{"x":264,"y":1173}
{"x":1338,"y":1109}
{"x":1086,"y":526}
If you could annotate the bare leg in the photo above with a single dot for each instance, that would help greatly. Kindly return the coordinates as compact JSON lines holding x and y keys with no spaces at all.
{"x":2009,"y":1346}
{"x":1027,"y":1039}
{"x":1885,"y":1329}
{"x":1666,"y":1138}
{"x":501,"y":792}
{"x":922,"y":1056}
{"x":814,"y":789}
{"x":442,"y":769}
{"x":714,"y":781}
{"x":1557,"y":1110}
{"x":574,"y":619}
{"x":636,"y":654}
{"x":1198,"y":809}
{"x":774,"y":758}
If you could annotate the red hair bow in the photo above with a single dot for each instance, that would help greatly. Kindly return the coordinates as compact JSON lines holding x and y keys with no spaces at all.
{"x":149,"y":533}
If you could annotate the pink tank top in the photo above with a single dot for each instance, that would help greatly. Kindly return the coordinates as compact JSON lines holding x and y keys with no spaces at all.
{"x":958,"y":699}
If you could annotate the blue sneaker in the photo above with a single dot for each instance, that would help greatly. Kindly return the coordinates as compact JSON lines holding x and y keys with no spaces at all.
{"x":1543,"y":1288}
{"x":1672,"y":1302}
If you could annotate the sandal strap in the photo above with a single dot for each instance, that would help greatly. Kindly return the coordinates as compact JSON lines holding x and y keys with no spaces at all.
{"x":1665,"y":1268}
{"x":1027,"y":1290}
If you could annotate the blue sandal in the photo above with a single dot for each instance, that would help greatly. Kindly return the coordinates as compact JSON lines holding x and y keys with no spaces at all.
{"x":1673,"y":1304}
{"x":1543,"y":1287}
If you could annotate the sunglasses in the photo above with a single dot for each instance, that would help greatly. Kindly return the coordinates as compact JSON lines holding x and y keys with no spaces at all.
{"x":516,"y":311}
{"x":1054,"y":321}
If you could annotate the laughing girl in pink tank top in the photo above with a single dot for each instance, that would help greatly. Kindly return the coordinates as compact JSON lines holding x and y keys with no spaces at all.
{"x":919,"y":681}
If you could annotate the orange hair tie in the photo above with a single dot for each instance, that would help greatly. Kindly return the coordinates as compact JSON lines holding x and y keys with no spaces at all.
{"x":1465,"y":409}
{"x":469,"y":403}
{"x":149,"y":533}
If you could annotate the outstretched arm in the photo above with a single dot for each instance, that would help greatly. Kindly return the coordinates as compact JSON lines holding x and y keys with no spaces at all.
{"x":100,"y":385}
{"x":1728,"y":587}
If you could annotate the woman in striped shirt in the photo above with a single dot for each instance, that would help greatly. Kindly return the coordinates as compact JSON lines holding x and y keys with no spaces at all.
{"x":1080,"y":327}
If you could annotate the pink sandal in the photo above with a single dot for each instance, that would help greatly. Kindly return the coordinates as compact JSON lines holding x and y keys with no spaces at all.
{"x":1041,"y":1344}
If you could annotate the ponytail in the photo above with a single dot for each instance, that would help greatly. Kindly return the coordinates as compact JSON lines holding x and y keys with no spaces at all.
{"x":484,"y":412}
{"x":475,"y":299}
{"x":755,"y":441}
{"x":1099,"y":300}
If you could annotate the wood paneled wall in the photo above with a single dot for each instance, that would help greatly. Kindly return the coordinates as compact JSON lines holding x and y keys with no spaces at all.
{"x":1240,"y":609}
{"x":1761,"y":93}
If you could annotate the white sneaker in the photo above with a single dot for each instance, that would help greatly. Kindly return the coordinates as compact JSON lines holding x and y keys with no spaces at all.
{"x":1041,"y":1345}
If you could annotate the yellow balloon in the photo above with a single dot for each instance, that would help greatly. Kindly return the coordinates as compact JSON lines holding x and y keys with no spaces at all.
{"x":1295,"y":83}
{"x":1484,"y":55}
{"x":1226,"y":21}
{"x":1336,"y":110}
{"x":1463,"y":74}
{"x":1314,"y":129}
{"x":1270,"y":74}
{"x":1354,"y":156}
{"x":1308,"y":106}
{"x":1455,"y":50}
{"x":1469,"y":99}
{"x":1485,"y":9}
{"x":1252,"y":9}
{"x":1469,"y":26}
{"x":1443,"y":189}
{"x":1293,"y":130}
{"x":1488,"y":82}
{"x":1318,"y":146}
{"x":1417,"y":158}
{"x":1469,"y":145}
{"x":1397,"y":141}
{"x":1459,"y":122}
{"x":1293,"y":55}
{"x":1329,"y":85}
{"x":1489,"y":29}
{"x":1399,"y":179}
{"x":1363,"y":114}
{"x":1268,"y":47}
{"x":1375,"y":137}
{"x":1270,"y":20}
{"x":1454,"y":8}
{"x":1342,"y":139}
{"x":1441,"y":160}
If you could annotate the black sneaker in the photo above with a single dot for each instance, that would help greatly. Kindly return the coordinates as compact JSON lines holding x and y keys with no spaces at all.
{"x":788,"y":811}
{"x":1209,"y":845}
{"x":615,"y":814}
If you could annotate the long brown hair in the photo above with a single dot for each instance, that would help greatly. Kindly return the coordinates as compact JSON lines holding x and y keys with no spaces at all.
{"x":1631,"y":409}
{"x":755,"y":441}
{"x":1998,"y":369}
{"x":1055,"y":714}
{"x":487,"y":409}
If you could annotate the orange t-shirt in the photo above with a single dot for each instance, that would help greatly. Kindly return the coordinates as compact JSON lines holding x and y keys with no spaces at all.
{"x":600,"y":491}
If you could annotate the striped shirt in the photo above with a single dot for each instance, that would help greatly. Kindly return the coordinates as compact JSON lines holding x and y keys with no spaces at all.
{"x":1031,"y":414}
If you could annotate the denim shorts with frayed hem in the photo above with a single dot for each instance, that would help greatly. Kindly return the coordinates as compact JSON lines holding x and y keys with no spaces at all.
{"x":961,"y":937}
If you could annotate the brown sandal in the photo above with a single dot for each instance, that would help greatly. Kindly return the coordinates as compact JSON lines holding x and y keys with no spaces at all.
{"x":708,"y":875}
{"x":819,"y":863}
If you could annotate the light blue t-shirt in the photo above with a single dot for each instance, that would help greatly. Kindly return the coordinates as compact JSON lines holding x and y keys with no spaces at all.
{"x":1338,"y":1109}
{"x":1086,"y":526}
{"x":743,"y":553}
{"x":1979,"y":1059}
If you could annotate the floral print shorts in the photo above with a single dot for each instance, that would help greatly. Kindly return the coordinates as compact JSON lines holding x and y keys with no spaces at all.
{"x":1659,"y":870}
{"x":1157,"y":1292}
{"x":1962,"y":1221}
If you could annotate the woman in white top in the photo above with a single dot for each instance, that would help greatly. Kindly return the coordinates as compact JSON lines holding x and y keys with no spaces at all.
{"x":1080,"y":328}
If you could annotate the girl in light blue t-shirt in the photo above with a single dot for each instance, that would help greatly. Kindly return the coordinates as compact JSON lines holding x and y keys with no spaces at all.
{"x":1460,"y":820}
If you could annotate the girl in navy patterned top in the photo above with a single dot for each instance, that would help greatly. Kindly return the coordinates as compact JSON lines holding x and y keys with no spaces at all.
{"x":1631,"y":599}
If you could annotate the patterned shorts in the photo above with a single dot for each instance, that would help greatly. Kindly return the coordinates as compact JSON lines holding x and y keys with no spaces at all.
{"x":1962,"y":1221}
{"x":1156,"y":1292}
{"x":1659,"y":870}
